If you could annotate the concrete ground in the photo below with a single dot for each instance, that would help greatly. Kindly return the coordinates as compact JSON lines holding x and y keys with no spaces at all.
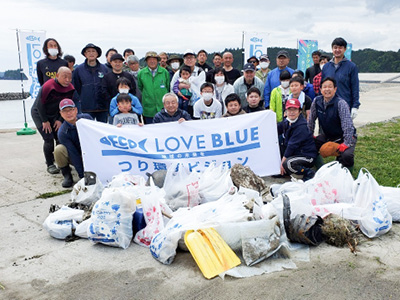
{"x":35,"y":266}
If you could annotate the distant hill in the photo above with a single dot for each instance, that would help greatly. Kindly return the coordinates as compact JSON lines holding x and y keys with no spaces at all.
{"x":12,"y":75}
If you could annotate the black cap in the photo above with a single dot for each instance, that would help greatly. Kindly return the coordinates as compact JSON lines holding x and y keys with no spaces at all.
{"x":117,"y":56}
{"x":249,"y":67}
{"x":283,"y":53}
{"x":90,"y":45}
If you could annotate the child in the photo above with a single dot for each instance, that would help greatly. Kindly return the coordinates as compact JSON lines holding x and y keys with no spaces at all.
{"x":125,"y":117}
{"x":233,"y":106}
{"x":123,"y":85}
{"x":296,"y":85}
{"x":184,"y":95}
{"x":254,"y":102}
{"x":279,"y":96}
{"x":207,"y":107}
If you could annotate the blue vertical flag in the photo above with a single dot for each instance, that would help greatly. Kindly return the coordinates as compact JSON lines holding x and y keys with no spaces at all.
{"x":349,"y":48}
{"x":305,"y":50}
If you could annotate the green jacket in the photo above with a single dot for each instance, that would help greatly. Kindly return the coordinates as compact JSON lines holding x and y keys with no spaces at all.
{"x":275,"y":103}
{"x":261,"y":75}
{"x":153,"y":89}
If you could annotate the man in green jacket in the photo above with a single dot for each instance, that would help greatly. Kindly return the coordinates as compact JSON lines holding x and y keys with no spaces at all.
{"x":153,"y":82}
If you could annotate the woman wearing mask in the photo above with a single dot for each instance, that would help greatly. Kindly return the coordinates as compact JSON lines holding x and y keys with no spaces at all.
{"x":262,"y":73}
{"x":47,"y":68}
{"x":280,"y":95}
{"x":221,"y":87}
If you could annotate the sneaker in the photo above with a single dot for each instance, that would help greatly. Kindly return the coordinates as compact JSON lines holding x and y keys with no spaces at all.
{"x":52,"y":169}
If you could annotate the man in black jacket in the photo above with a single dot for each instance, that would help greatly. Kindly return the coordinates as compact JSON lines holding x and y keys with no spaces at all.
{"x":171,"y":111}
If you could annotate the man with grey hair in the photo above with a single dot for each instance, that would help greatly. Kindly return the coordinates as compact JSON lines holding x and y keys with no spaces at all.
{"x":171,"y":112}
{"x":134,"y":68}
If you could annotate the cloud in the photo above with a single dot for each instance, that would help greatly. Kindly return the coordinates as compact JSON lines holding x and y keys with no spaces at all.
{"x":382,"y":6}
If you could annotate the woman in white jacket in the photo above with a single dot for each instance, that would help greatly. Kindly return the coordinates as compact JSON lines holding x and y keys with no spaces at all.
{"x":221,"y":87}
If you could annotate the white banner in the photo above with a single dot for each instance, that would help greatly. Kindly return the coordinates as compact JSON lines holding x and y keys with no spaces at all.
{"x":255,"y":44}
{"x":250,"y":140}
{"x":31,"y":44}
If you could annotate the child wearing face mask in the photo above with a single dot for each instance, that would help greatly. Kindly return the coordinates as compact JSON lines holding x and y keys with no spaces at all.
{"x":207,"y":107}
{"x":262,"y":73}
{"x":124,"y":86}
{"x":280,"y":95}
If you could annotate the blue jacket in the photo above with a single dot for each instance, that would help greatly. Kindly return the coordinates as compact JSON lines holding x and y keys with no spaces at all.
{"x":136,"y":106}
{"x":272,"y":82}
{"x":346,"y":76}
{"x":68,"y":136}
{"x":309,"y":90}
{"x":297,"y":139}
{"x":162,"y":116}
{"x":87,"y":83}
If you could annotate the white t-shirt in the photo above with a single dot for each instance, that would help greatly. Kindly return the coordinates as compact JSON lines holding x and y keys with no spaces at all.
{"x":202,"y":111}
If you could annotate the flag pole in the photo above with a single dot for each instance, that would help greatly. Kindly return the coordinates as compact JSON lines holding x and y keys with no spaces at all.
{"x":26,"y":130}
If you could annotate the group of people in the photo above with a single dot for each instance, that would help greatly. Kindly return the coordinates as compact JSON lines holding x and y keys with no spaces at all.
{"x":174,"y":88}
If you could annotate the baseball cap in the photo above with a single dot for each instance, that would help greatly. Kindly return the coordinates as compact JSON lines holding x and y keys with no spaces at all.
{"x":117,"y":56}
{"x":66,"y":103}
{"x":264,"y":57}
{"x":293,"y":103}
{"x":189,"y":52}
{"x":248,"y":67}
{"x":283,"y":53}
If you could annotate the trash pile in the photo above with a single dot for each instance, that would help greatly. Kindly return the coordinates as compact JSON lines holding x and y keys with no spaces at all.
{"x":225,"y":217}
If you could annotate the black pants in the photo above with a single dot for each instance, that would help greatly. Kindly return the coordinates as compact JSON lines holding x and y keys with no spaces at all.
{"x":297,"y":164}
{"x":346,"y":158}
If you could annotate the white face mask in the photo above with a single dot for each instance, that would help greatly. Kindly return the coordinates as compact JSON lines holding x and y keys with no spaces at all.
{"x":207,"y":96}
{"x":175,"y":65}
{"x":52,"y":51}
{"x":285,"y":84}
{"x":123,"y":91}
{"x":321,"y":65}
{"x":219,"y":79}
{"x":264,"y":65}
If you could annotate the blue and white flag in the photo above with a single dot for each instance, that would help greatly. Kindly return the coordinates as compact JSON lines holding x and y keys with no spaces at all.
{"x":255,"y":44}
{"x":305,"y":50}
{"x":31,"y":43}
{"x":347,"y":53}
{"x":249,"y":139}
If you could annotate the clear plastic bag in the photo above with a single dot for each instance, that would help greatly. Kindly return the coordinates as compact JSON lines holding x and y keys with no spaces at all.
{"x":60,"y":223}
{"x":391,"y":195}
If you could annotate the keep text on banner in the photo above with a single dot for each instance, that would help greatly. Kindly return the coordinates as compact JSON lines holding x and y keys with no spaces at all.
{"x":255,"y":44}
{"x":250,"y":140}
{"x":31,"y":43}
{"x":305,"y":50}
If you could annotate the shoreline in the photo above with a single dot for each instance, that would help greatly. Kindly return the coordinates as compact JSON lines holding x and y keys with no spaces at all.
{"x":14,"y":96}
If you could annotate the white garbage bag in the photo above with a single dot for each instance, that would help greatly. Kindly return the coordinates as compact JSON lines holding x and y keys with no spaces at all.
{"x":61,"y":222}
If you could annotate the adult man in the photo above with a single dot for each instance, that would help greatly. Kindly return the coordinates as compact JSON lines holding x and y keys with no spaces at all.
{"x":153,"y":82}
{"x":217,"y":61}
{"x":282,"y":61}
{"x":87,"y":82}
{"x":317,"y":78}
{"x":46,"y":115}
{"x":230,"y":71}
{"x":314,"y":69}
{"x":345,"y":73}
{"x":174,"y":62}
{"x":245,"y":82}
{"x":71,"y":61}
{"x":198,"y":77}
{"x":264,"y":70}
{"x":334,"y":119}
{"x":202,"y":60}
{"x":133,"y":64}
{"x":109,"y":86}
{"x":171,"y":112}
{"x":69,"y":149}
{"x":253,"y":60}
{"x":127,"y":52}
{"x":110,"y":52}
{"x":163,"y":59}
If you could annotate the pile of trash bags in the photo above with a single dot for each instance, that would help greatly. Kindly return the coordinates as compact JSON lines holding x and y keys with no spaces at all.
{"x":208,"y":211}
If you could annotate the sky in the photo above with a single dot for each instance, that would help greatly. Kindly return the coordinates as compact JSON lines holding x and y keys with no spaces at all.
{"x":174,"y":26}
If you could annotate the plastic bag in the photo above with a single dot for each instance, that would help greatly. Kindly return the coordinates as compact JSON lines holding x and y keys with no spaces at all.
{"x":61,"y":222}
{"x":81,"y":229}
{"x":111,"y":220}
{"x":214,"y":183}
{"x":126,"y":179}
{"x":331,"y":184}
{"x":153,"y":204}
{"x":227,"y":209}
{"x":375,"y":219}
{"x":87,"y":194}
{"x":181,"y":187}
{"x":391,"y":195}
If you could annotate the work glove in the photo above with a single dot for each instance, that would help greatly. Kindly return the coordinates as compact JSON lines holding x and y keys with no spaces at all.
{"x":354,"y":113}
{"x":342,"y":147}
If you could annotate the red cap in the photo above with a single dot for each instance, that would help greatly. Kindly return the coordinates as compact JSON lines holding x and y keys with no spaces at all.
{"x":66,"y":103}
{"x":293,"y":103}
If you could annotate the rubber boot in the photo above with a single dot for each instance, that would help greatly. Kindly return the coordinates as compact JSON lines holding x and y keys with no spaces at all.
{"x":68,"y":181}
{"x":318,"y":162}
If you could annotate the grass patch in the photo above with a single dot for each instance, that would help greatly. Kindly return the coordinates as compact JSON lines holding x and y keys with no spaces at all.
{"x":53,"y":194}
{"x":378,"y":150}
